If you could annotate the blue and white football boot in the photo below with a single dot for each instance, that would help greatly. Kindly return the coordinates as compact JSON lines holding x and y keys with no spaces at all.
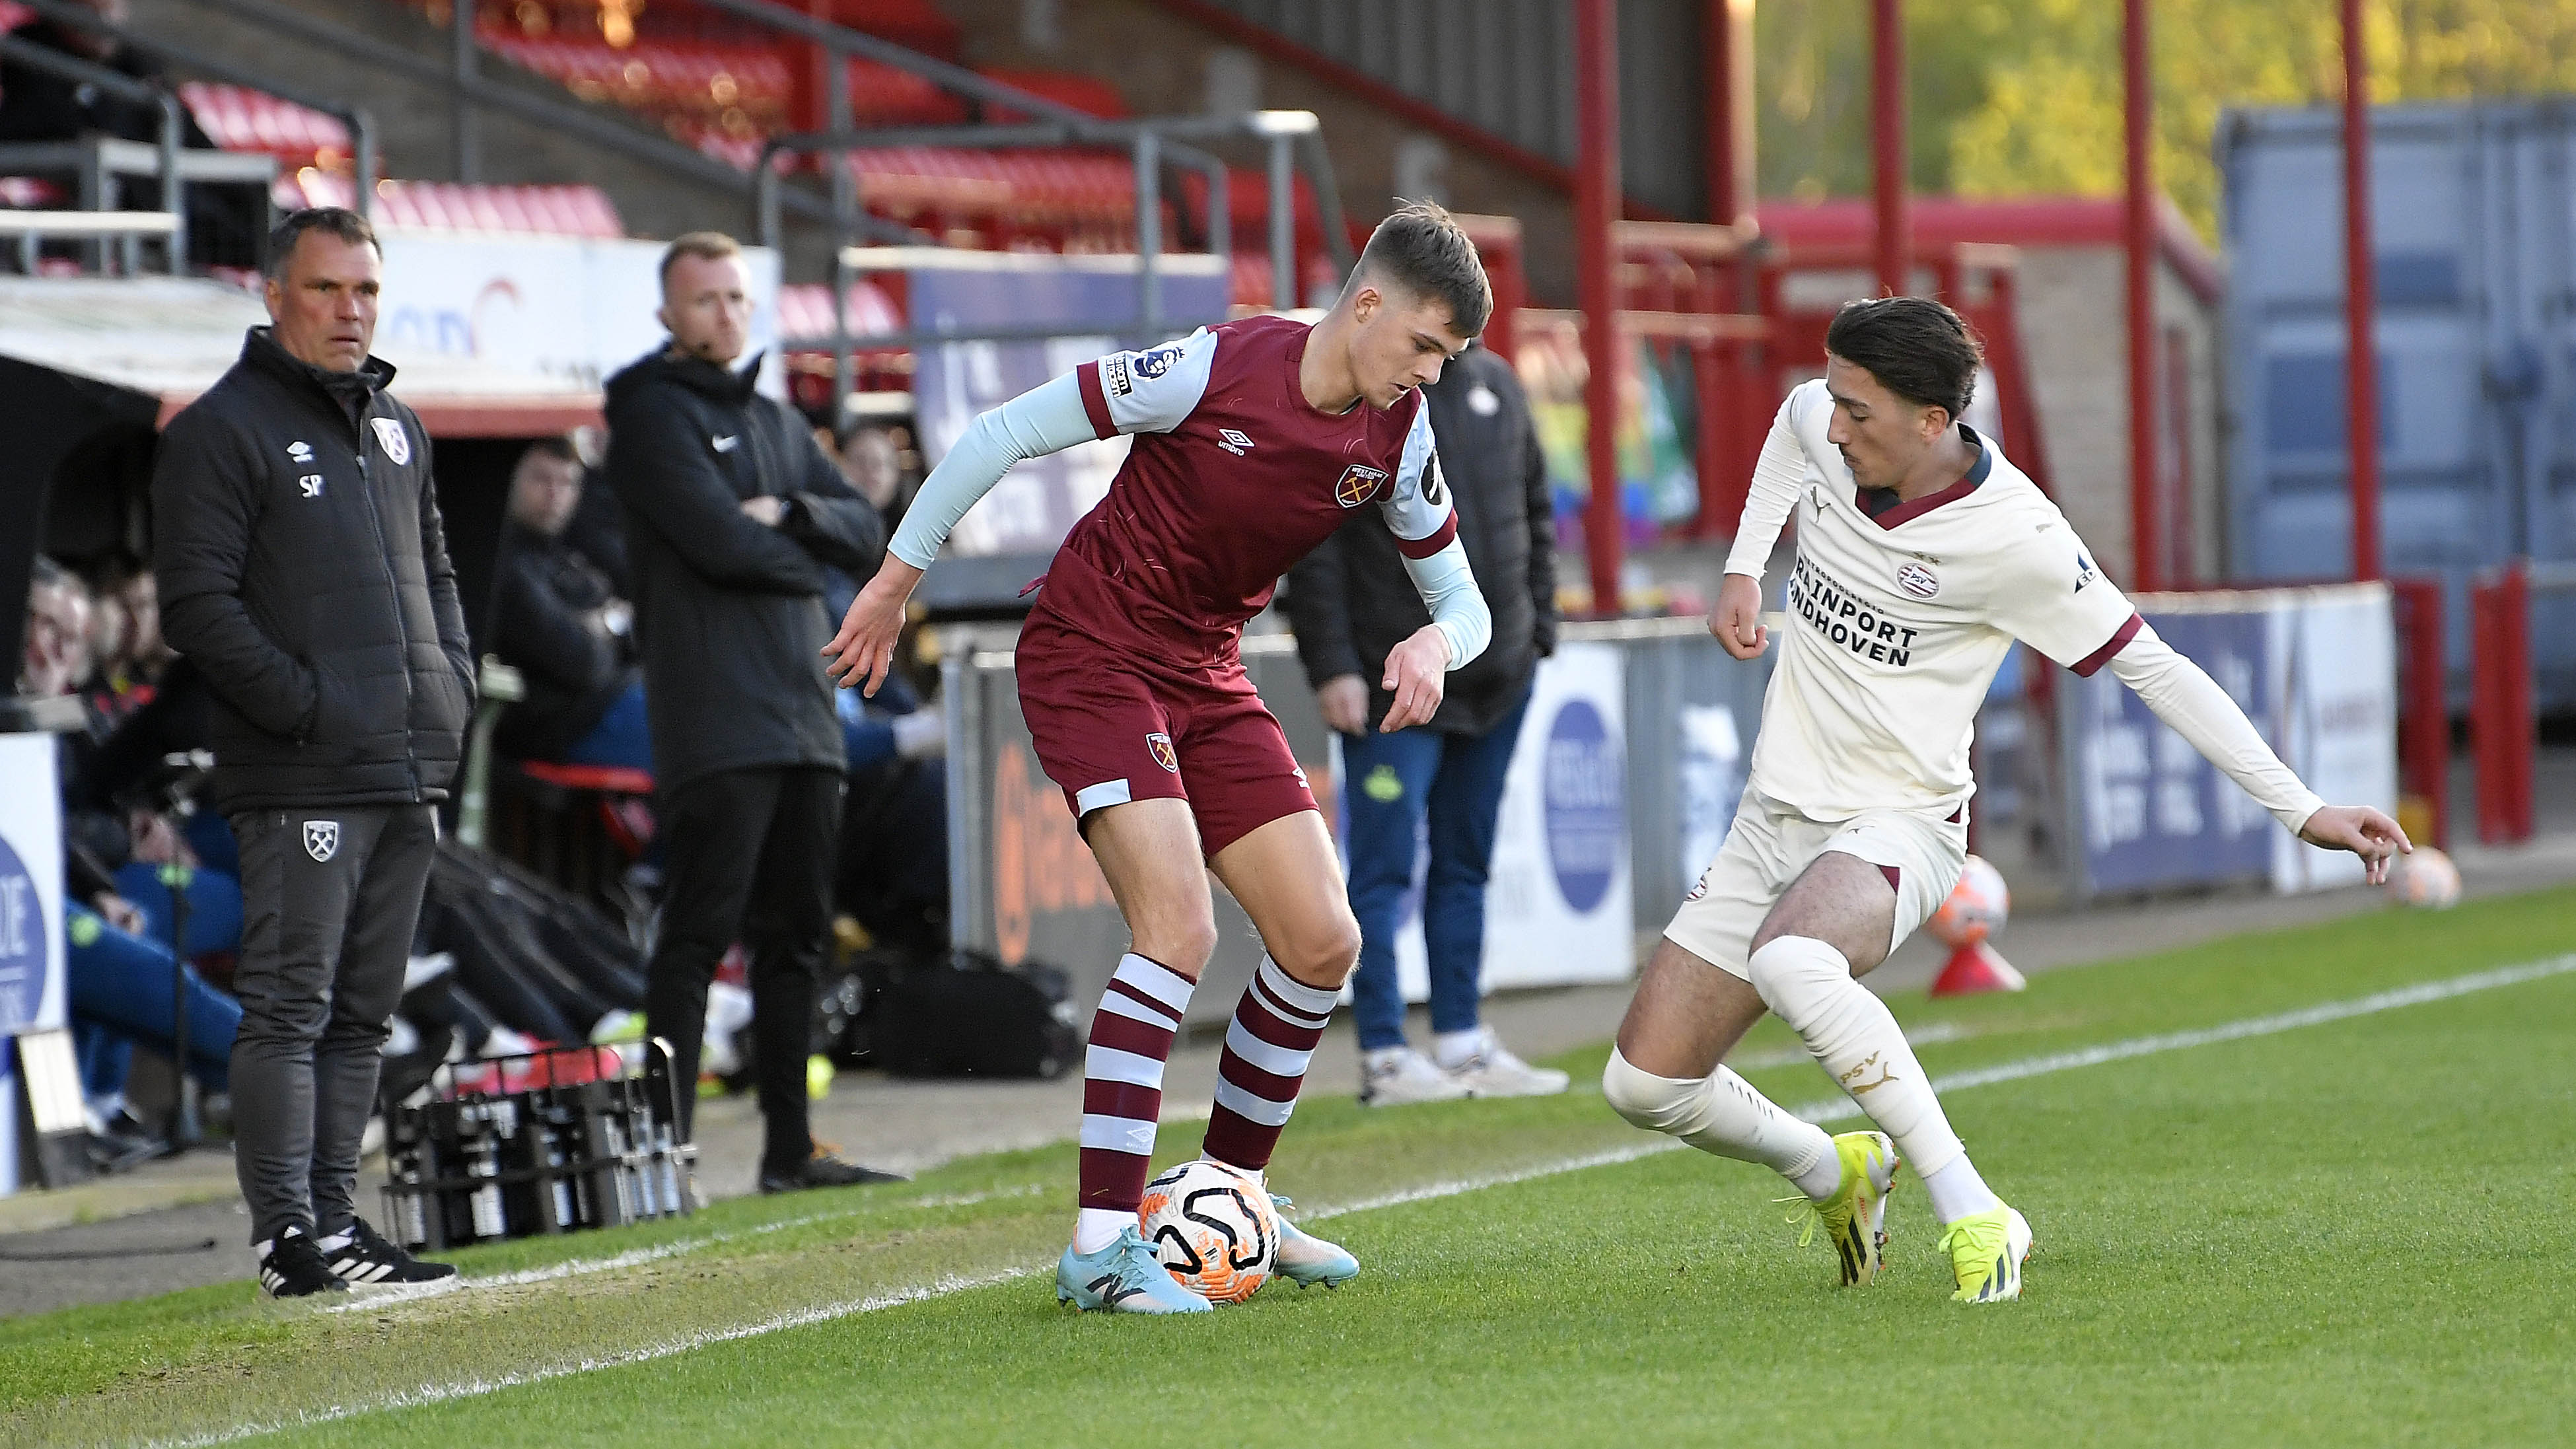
{"x":1307,"y":1259}
{"x":1124,"y":1277}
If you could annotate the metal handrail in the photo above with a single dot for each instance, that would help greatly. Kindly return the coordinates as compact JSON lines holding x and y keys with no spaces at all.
{"x":1144,"y":140}
{"x":118,"y":83}
{"x":362,"y":126}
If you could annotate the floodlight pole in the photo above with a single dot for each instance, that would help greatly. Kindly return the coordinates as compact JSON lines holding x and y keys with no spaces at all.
{"x":1887,"y":144}
{"x":2146,"y":537}
{"x":2361,"y":301}
{"x":1596,"y":214}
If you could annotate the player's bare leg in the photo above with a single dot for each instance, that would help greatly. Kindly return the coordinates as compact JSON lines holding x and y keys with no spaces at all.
{"x":1287,"y":878}
{"x":1149,"y":851}
{"x":1832,"y":925}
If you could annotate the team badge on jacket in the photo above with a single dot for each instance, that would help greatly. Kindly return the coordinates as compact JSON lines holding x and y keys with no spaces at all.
{"x":1160,"y":746}
{"x":389,"y":431}
{"x":321,"y":839}
{"x":1359,"y":484}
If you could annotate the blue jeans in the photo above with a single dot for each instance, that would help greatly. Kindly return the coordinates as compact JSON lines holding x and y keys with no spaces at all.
{"x":214,"y":906}
{"x":1392,"y":785}
{"x":120,"y":994}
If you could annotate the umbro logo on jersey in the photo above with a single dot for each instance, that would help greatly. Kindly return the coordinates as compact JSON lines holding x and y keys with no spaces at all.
{"x":2083,"y":571}
{"x":1919,"y":580}
{"x":1159,"y":745}
{"x":726,"y":443}
{"x":1359,"y":484}
{"x":1232,"y":441}
{"x":299,"y":451}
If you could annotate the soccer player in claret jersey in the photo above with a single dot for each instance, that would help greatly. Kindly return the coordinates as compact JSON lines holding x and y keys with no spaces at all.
{"x":1253,"y":441}
{"x":1922,"y":555}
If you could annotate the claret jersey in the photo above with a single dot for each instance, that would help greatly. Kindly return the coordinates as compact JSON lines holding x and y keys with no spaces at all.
{"x":1233,"y":476}
{"x":1898,"y":617}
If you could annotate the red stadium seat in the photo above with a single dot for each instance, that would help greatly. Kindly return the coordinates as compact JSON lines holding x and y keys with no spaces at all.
{"x":1083,"y":93}
{"x":606,"y":779}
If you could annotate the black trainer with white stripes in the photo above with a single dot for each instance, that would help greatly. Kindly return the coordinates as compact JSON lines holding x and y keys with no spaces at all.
{"x":363,"y":1256}
{"x":290,"y":1266}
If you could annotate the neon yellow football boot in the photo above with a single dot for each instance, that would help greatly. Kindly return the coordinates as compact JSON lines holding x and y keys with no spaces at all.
{"x":1987,"y":1248}
{"x":1855,"y":1217}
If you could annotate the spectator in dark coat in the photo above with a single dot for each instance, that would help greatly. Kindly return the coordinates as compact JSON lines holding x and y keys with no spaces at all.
{"x":1350,"y":602}
{"x":732,"y":515}
{"x":558,"y":620}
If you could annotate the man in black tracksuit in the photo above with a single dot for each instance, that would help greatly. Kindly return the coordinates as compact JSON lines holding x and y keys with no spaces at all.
{"x":732,"y":512}
{"x":303,"y":570}
{"x":1350,"y":602}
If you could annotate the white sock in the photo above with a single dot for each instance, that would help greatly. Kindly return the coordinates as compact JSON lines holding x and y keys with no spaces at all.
{"x":1455,"y":1049}
{"x":1378,"y":1057}
{"x":1096,"y":1228}
{"x":1721,"y":1114}
{"x":1854,"y":1037}
{"x":1956,"y":1191}
{"x":334,"y":1242}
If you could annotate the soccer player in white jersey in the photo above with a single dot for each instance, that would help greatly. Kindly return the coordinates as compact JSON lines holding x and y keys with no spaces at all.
{"x":1922,"y":555}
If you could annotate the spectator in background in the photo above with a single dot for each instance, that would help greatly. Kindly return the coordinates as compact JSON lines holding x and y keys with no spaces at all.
{"x":118,"y":974}
{"x":558,"y":620}
{"x":39,"y":105}
{"x":304,"y":569}
{"x":732,"y":513}
{"x":1350,"y":602}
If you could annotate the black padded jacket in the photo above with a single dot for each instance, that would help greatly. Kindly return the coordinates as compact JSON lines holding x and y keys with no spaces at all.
{"x":729,"y":612}
{"x":304,"y":570}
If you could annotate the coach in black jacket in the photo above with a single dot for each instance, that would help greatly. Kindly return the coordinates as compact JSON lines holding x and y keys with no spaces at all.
{"x":732,"y":512}
{"x":303,"y":570}
{"x":1350,"y":602}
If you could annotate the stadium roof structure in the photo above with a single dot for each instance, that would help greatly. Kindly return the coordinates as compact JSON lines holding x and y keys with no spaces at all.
{"x":169,"y":338}
{"x":2022,"y":221}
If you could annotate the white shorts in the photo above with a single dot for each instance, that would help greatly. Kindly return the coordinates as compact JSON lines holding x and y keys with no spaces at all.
{"x":1770,"y":844}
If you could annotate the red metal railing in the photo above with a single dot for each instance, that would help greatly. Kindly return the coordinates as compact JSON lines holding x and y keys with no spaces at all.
{"x":2501,"y":728}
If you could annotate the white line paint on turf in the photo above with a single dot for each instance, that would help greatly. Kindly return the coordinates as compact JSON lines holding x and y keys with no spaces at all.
{"x":2258,"y":1026}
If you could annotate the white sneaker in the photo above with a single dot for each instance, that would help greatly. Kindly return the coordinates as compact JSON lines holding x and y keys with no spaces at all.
{"x":1401,"y":1076}
{"x":1494,"y":1072}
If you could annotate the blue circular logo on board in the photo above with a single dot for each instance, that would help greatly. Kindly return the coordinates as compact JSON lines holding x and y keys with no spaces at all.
{"x":22,"y":943}
{"x":1586,"y":792}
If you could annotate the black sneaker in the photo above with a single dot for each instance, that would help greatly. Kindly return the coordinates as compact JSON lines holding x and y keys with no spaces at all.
{"x":362,"y":1255}
{"x":290,"y":1266}
{"x":823,"y":1169}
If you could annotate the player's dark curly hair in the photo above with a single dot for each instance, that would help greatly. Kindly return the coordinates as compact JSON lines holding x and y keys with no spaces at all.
{"x":1917,"y":349}
{"x":1421,"y":249}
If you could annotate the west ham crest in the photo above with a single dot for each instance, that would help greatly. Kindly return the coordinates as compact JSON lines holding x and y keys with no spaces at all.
{"x":1359,"y":484}
{"x":321,"y":839}
{"x":1160,"y":746}
{"x":389,"y":431}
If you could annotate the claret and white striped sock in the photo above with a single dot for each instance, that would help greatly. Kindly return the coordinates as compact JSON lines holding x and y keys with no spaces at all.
{"x":1122,"y":1093}
{"x":1267,"y":1048}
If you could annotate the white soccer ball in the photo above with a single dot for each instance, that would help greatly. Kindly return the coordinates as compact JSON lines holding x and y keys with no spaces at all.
{"x":1977,"y":907}
{"x":2426,"y":879}
{"x":1214,"y":1229}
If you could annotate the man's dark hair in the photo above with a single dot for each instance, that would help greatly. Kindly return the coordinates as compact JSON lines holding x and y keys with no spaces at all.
{"x":1917,"y":349}
{"x":559,"y":447}
{"x":1422,"y":249}
{"x":339,"y":221}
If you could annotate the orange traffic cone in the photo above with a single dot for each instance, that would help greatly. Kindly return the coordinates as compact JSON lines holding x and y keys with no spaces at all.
{"x":1975,"y":968}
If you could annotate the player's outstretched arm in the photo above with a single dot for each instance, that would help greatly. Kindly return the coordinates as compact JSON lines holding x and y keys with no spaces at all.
{"x":1043,"y":420}
{"x":2183,"y":695}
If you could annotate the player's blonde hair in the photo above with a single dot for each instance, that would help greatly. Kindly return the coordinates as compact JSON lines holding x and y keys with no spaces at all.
{"x":710,"y":246}
{"x":1422,"y":249}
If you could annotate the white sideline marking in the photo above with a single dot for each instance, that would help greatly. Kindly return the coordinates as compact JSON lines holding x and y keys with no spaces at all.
{"x":1818,"y":1112}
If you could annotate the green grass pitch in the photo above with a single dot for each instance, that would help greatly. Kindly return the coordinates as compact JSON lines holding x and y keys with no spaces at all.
{"x":2343,"y":1232}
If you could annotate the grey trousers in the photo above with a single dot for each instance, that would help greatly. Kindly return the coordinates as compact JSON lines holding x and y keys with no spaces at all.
{"x":330,"y":896}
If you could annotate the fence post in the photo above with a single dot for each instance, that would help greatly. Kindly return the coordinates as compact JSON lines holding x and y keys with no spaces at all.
{"x":2501,"y":719}
{"x":2423,"y":702}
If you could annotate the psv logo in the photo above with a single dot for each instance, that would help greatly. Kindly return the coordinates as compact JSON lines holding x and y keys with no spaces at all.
{"x":1359,"y":484}
{"x":1159,"y":745}
{"x":321,"y":839}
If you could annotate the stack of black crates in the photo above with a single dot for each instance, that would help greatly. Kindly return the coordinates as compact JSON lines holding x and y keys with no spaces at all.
{"x":552,"y":1142}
